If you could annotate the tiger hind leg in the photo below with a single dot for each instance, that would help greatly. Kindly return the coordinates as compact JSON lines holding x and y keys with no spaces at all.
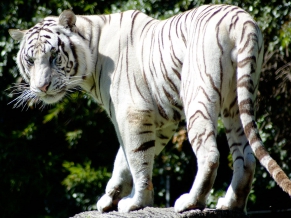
{"x":244,"y":161}
{"x":201,"y":127}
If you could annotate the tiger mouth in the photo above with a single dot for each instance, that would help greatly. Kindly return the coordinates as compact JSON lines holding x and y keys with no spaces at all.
{"x":53,"y":98}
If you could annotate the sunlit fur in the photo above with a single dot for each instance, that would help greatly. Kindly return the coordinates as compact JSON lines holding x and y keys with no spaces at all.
{"x":149,"y":75}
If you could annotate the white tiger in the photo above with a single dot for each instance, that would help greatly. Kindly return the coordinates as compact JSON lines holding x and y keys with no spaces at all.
{"x":149,"y":75}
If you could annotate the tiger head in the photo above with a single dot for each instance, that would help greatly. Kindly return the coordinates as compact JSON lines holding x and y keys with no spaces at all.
{"x":53,"y":58}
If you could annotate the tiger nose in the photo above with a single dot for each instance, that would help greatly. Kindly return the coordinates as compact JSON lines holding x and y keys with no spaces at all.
{"x":44,"y":88}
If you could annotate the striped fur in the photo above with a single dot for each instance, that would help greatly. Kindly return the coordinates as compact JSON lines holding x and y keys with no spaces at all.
{"x":149,"y":75}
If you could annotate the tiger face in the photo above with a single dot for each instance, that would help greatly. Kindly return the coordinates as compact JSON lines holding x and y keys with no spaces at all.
{"x":48,"y":59}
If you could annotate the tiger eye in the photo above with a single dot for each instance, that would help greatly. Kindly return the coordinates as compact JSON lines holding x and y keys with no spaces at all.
{"x":30,"y":61}
{"x":54,"y":54}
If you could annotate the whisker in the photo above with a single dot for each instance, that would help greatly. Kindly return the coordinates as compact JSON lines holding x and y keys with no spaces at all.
{"x":72,"y":82}
{"x":18,"y":85}
{"x":42,"y":107}
{"x":24,"y":93}
{"x":23,"y":99}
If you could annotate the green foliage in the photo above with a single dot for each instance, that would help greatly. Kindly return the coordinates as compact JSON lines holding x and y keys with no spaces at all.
{"x":55,"y":160}
{"x":73,"y":136}
{"x":177,"y":164}
{"x":84,"y":183}
{"x":214,"y":196}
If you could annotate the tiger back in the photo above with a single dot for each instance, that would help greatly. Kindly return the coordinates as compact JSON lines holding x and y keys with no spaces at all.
{"x":149,"y":75}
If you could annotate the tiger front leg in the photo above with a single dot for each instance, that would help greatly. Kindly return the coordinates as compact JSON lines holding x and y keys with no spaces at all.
{"x":119,"y":185}
{"x":138,"y":136}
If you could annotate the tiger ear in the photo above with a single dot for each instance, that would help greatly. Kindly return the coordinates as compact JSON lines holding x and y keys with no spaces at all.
{"x":67,"y":19}
{"x":17,"y":34}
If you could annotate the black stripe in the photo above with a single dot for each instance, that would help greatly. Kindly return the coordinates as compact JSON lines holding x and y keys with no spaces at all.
{"x":246,"y":145}
{"x":249,"y":127}
{"x":177,"y":115}
{"x":132,"y":24}
{"x":161,"y":110}
{"x":90,"y":24}
{"x":200,"y":141}
{"x":218,"y":33}
{"x":234,"y":144}
{"x":127,"y":71}
{"x":177,"y":73}
{"x":171,"y":99}
{"x":233,"y":103}
{"x":83,"y":37}
{"x":193,"y":140}
{"x":32,"y":34}
{"x":183,"y":38}
{"x":48,"y":30}
{"x":247,"y":84}
{"x":177,"y":19}
{"x":76,"y":61}
{"x":146,"y":26}
{"x":47,"y":42}
{"x":245,"y":26}
{"x":251,"y":37}
{"x":245,"y":107}
{"x":121,"y":17}
{"x":103,"y":18}
{"x":206,"y":109}
{"x":239,"y":158}
{"x":99,"y":84}
{"x":212,"y":133}
{"x":227,"y":130}
{"x":162,"y":32}
{"x":110,"y":104}
{"x":145,"y":146}
{"x":244,"y":76}
{"x":46,"y":36}
{"x":139,"y":91}
{"x":147,"y":124}
{"x":165,"y":73}
{"x":203,"y":46}
{"x":163,"y":137}
{"x":176,"y":58}
{"x":190,"y":124}
{"x":31,"y":42}
{"x":145,"y":132}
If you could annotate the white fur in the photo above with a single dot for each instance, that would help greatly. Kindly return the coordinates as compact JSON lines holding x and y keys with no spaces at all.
{"x":149,"y":75}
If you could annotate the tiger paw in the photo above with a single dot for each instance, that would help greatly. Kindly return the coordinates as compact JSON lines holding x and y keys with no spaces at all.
{"x":128,"y":204}
{"x":105,"y":203}
{"x":222,"y":204}
{"x":230,"y":204}
{"x":109,"y":200}
{"x":185,"y":202}
{"x":136,"y":201}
